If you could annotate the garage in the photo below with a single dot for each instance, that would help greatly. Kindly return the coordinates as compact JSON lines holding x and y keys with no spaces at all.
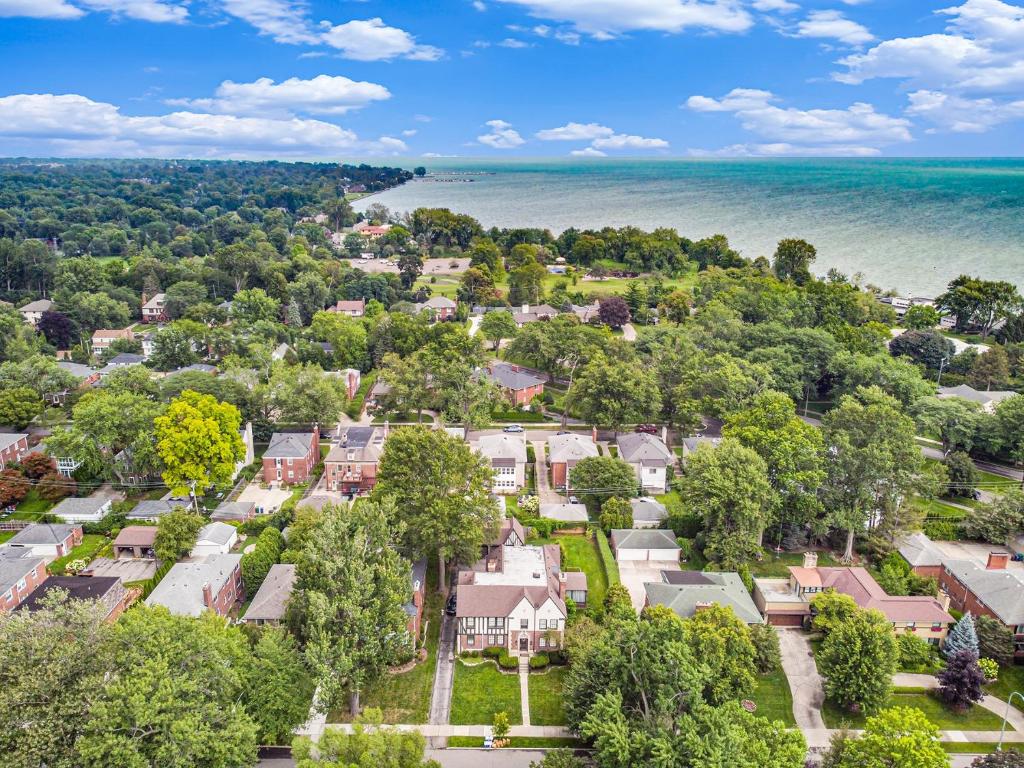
{"x":644,"y":544}
{"x":786,"y":619}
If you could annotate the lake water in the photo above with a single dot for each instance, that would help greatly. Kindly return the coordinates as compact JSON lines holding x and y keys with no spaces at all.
{"x":909,"y":224}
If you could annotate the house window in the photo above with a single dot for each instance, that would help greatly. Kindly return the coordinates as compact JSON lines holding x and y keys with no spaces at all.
{"x":652,"y":471}
{"x":470,"y":639}
{"x":543,"y":624}
{"x":524,"y":623}
{"x":542,"y":642}
{"x":490,"y":640}
{"x":911,"y":626}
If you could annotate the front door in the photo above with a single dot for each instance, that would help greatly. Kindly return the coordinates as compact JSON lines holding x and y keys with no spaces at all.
{"x":524,"y":644}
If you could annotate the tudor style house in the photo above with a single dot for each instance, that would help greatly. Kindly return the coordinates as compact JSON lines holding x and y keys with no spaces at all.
{"x":291,"y":456}
{"x":155,"y":310}
{"x":515,"y":597}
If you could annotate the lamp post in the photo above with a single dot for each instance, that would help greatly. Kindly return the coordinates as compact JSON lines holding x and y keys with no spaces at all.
{"x":942,"y":364}
{"x":1002,"y":730}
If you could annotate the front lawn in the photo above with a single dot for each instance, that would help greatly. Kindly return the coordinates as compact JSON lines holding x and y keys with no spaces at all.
{"x":773,"y":698}
{"x":5,"y":535}
{"x":1010,"y":679}
{"x":774,"y":565}
{"x":480,"y":691}
{"x":546,"y":697}
{"x":581,"y":555}
{"x":975,"y":719}
{"x":91,"y":544}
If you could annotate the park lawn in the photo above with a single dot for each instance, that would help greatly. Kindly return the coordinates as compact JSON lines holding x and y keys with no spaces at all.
{"x":971,"y":748}
{"x":405,"y":698}
{"x":546,"y":706}
{"x":776,"y":565}
{"x":773,"y":698}
{"x":945,"y":719}
{"x":91,"y":544}
{"x":1010,"y":679}
{"x":581,"y":555}
{"x":32,"y":506}
{"x":480,"y":691}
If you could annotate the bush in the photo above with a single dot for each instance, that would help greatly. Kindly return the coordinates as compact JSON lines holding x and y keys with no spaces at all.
{"x":685,"y":548}
{"x":916,"y":655}
{"x":493,"y":652}
{"x":257,"y":563}
{"x":611,"y":569}
{"x":112,"y":522}
{"x":989,"y":668}
{"x":529,"y":505}
{"x":539,"y":661}
{"x":938,"y":530}
{"x":469,"y":655}
{"x":507,"y":662}
{"x":767,"y":656}
{"x":558,"y":658}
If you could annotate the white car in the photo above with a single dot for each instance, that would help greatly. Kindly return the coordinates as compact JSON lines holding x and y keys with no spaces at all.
{"x":513,"y":428}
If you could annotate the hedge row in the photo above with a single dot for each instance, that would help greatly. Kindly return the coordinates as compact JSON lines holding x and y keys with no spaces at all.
{"x":611,"y":568}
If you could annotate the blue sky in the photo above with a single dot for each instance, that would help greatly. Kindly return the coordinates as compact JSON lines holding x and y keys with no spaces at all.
{"x":511,"y":78}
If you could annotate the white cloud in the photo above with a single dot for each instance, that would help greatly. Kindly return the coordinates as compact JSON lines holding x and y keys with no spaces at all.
{"x":782,"y":149}
{"x":569,"y":38}
{"x":575,"y":132}
{"x":502,"y":135}
{"x":604,"y":19}
{"x":625,"y":141}
{"x":479,"y":5}
{"x":588,"y":152}
{"x":39,"y":9}
{"x":511,"y":42}
{"x":960,"y":114}
{"x":981,"y":51}
{"x":76,"y":126}
{"x":144,"y":10}
{"x":283,"y":20}
{"x":858,"y":126}
{"x":783,"y":6}
{"x":833,"y":25}
{"x":409,"y":132}
{"x":373,"y":40}
{"x":321,"y":95}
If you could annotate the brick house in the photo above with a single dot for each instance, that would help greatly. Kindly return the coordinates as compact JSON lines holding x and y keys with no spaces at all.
{"x":108,"y":590}
{"x":291,"y":456}
{"x":102,"y":339}
{"x":351,"y":466}
{"x":354,"y":308}
{"x":12,"y":448}
{"x":189,"y":589}
{"x":519,"y":386}
{"x":155,"y":310}
{"x":47,"y":540}
{"x":442,"y":307}
{"x":565,"y":452}
{"x":515,"y":599}
{"x":20,"y":573}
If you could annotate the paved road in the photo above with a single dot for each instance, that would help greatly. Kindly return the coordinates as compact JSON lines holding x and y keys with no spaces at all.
{"x":492,"y":758}
{"x":444,"y":674}
{"x":804,"y":680}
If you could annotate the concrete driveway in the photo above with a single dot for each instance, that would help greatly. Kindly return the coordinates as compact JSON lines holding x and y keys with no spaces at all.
{"x":544,"y":490}
{"x":635,"y":573}
{"x":126,"y":570}
{"x":804,"y":681}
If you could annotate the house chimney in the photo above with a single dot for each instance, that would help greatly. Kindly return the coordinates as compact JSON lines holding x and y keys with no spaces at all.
{"x":997,"y":561}
{"x":701,"y":606}
{"x":943,"y":599}
{"x":810,"y":559}
{"x":525,"y":308}
{"x":207,"y":595}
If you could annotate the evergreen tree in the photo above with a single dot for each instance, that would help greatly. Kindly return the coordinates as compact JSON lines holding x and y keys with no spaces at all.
{"x":962,"y":637}
{"x":294,"y":316}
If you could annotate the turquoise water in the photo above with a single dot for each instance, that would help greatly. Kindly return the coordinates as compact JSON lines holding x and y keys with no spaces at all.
{"x":909,"y":224}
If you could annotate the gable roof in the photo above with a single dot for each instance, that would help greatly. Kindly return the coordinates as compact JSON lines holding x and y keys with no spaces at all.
{"x":14,"y":565}
{"x":181,"y":589}
{"x":39,"y":305}
{"x":77,"y":587}
{"x":571,"y":447}
{"x":271,"y":599}
{"x":975,"y":395}
{"x":41,"y":534}
{"x":918,"y":550}
{"x":233,"y":510}
{"x":868,"y":594}
{"x":507,"y":377}
{"x":570,"y":513}
{"x":1001,"y":590}
{"x":289,"y":445}
{"x":503,"y":446}
{"x":149,"y":509}
{"x":440,"y":302}
{"x":216,"y":533}
{"x":7,"y":439}
{"x":724,"y":588}
{"x":74,"y":506}
{"x":76,"y":369}
{"x":136,"y":536}
{"x":643,"y":538}
{"x":639,"y":446}
{"x":500,"y":599}
{"x":648,"y":510}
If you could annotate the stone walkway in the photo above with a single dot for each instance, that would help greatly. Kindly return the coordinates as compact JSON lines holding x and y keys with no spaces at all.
{"x":524,"y":688}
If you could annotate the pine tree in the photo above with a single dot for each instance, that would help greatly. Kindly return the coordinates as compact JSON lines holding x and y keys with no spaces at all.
{"x":962,"y":637}
{"x":294,"y":318}
{"x":960,"y":682}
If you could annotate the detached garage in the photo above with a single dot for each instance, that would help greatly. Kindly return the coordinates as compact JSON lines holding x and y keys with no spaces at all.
{"x":630,"y":544}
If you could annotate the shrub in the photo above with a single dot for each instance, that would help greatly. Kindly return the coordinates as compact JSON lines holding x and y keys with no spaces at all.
{"x":916,"y":655}
{"x":939,"y":530}
{"x":542,"y":527}
{"x":961,"y":681}
{"x":529,"y":505}
{"x":493,"y":652}
{"x":989,"y":668}
{"x":558,"y":658}
{"x":611,"y":569}
{"x":539,"y":661}
{"x":767,"y":656}
{"x":507,"y":662}
{"x":257,"y":563}
{"x":685,"y":548}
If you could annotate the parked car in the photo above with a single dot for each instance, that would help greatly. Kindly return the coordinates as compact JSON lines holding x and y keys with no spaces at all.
{"x":574,"y":500}
{"x":449,"y":607}
{"x":647,"y":429}
{"x":513,"y":428}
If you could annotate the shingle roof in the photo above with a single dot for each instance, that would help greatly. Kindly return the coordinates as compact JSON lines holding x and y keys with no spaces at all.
{"x":39,"y":305}
{"x":503,"y":446}
{"x":7,"y":439}
{"x":216,"y":533}
{"x":508,"y":378}
{"x":570,"y":513}
{"x":868,"y":594}
{"x":570,"y":447}
{"x":76,"y":369}
{"x":14,"y":565}
{"x":181,"y":589}
{"x":73,"y":507}
{"x":499,"y":599}
{"x":440,"y":302}
{"x":150,"y":509}
{"x":918,"y":550}
{"x":39,"y":534}
{"x":233,"y":510}
{"x":289,"y":445}
{"x":136,"y":536}
{"x":976,"y":395}
{"x":271,"y":599}
{"x":643,"y":538}
{"x":639,"y":446}
{"x":725,"y":589}
{"x":1001,"y":590}
{"x":648,"y":510}
{"x":77,"y":587}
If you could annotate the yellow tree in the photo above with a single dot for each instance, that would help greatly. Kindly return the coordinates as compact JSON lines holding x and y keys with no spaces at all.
{"x":198,"y":440}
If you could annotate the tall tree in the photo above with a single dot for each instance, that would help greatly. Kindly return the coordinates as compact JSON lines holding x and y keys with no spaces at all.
{"x":597,"y":478}
{"x":497,"y":326}
{"x":176,"y":534}
{"x":960,"y":683}
{"x":443,"y":492}
{"x":304,"y":394}
{"x":611,"y":393}
{"x":858,"y":659}
{"x":977,"y":302}
{"x":793,"y":259}
{"x":278,"y":688}
{"x":958,"y":422}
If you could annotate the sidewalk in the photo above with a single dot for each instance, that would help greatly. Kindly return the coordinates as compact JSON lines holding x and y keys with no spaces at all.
{"x":433,"y":731}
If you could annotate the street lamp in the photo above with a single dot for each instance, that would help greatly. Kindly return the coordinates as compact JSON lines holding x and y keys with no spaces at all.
{"x":942,"y":364}
{"x":1002,"y":731}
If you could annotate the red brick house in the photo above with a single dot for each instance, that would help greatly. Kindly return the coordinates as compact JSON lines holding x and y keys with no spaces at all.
{"x":12,"y":448}
{"x":351,"y":466}
{"x":20,"y":573}
{"x":442,"y":307}
{"x":519,"y":386}
{"x":291,"y":456}
{"x":108,"y":590}
{"x":190,"y":589}
{"x":565,"y":452}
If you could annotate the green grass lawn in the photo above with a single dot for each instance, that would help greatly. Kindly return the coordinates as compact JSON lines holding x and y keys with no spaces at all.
{"x":935,"y":509}
{"x":975,"y":719}
{"x":91,"y":544}
{"x":546,"y":697}
{"x":773,"y":698}
{"x":1010,"y":679}
{"x":5,"y":535}
{"x":968,"y":748}
{"x":32,"y":507}
{"x":774,"y":565}
{"x":405,"y":698}
{"x":581,"y":555}
{"x":480,"y":691}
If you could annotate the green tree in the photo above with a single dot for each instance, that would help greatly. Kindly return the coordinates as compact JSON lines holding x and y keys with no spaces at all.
{"x":410,"y":266}
{"x":727,"y":488}
{"x":485,"y":256}
{"x":793,"y":259}
{"x":526,"y":284}
{"x":199,"y":443}
{"x":497,"y":326}
{"x":443,"y":489}
{"x":345,"y":334}
{"x":310,"y":292}
{"x":610,"y":393}
{"x":956,"y":421}
{"x":278,"y":689}
{"x":995,"y":640}
{"x":370,"y":744}
{"x":962,"y":637}
{"x":597,"y":478}
{"x":831,"y":609}
{"x":174,"y":347}
{"x":176,"y":534}
{"x":990,"y":370}
{"x":897,"y":737}
{"x":616,"y":513}
{"x":410,"y":385}
{"x":19,"y":405}
{"x":182,"y":295}
{"x":722,"y":642}
{"x":304,"y":394}
{"x":675,"y":307}
{"x":475,"y":287}
{"x":347,"y":607}
{"x":921,"y":317}
{"x":997,"y":521}
{"x":1010,"y":427}
{"x":858,"y":659}
{"x":256,"y":564}
{"x":980,"y":303}
{"x":963,"y":474}
{"x":929,"y":348}
{"x":254,"y":305}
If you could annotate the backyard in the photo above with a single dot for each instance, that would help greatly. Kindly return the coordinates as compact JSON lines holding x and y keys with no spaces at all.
{"x":776,"y":565}
{"x":480,"y":691}
{"x":546,"y":697}
{"x":91,"y":544}
{"x":581,"y":555}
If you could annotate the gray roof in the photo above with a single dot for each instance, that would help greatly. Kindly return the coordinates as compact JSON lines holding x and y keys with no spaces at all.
{"x":7,"y":439}
{"x":648,"y":510}
{"x":693,"y":443}
{"x":197,"y":367}
{"x":725,"y":589}
{"x":503,"y":446}
{"x":508,"y":378}
{"x":270,"y":601}
{"x":569,"y":513}
{"x":39,"y":534}
{"x":918,"y":550}
{"x":76,"y":369}
{"x":181,"y":590}
{"x":571,"y":447}
{"x":975,"y":395}
{"x":289,"y":445}
{"x":126,"y":358}
{"x":14,"y":565}
{"x":643,"y":538}
{"x":39,"y":305}
{"x":217,"y":533}
{"x":150,"y":509}
{"x":440,"y":302}
{"x":233,"y":510}
{"x":72,"y":507}
{"x":1001,"y":590}
{"x":635,"y":447}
